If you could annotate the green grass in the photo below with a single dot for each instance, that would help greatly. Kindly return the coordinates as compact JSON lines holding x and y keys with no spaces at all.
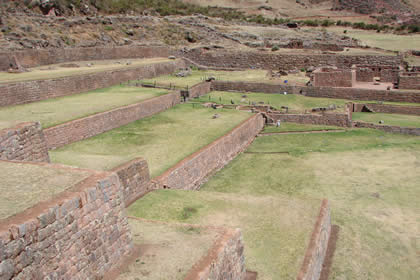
{"x":163,"y":139}
{"x":56,"y":71}
{"x":59,"y":110}
{"x":371,"y":179}
{"x":276,"y":230}
{"x":389,"y":119}
{"x":285,"y":126}
{"x":295,"y":102}
{"x":198,"y":76}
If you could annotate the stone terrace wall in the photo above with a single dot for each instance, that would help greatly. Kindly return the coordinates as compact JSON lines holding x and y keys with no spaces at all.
{"x":409,"y":81}
{"x":33,"y":58}
{"x":225,"y":260}
{"x":83,"y":128}
{"x":30,"y":91}
{"x":135,"y":179}
{"x":193,"y":170}
{"x":317,"y":249}
{"x":342,"y":120}
{"x":327,"y":92}
{"x":385,"y":108}
{"x":80,"y":234}
{"x":199,"y":89}
{"x":335,"y":78}
{"x":388,"y":128}
{"x":24,"y":142}
{"x":260,"y":60}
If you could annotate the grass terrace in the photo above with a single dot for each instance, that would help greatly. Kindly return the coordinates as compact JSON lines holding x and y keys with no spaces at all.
{"x":55,"y":111}
{"x":167,"y":251}
{"x":61,"y":70}
{"x":370,"y":177}
{"x":276,"y":230}
{"x":388,"y":119}
{"x":198,"y":76}
{"x":163,"y":139}
{"x":296,"y":127}
{"x":24,"y":185}
{"x":296,"y":103}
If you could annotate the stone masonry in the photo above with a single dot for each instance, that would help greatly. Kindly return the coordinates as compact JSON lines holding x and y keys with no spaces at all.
{"x":24,"y":142}
{"x":80,"y":234}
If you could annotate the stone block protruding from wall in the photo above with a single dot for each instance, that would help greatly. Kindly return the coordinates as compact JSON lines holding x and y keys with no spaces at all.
{"x":24,"y":142}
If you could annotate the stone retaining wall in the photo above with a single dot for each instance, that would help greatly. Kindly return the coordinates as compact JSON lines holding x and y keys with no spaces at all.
{"x":408,"y":81}
{"x":317,"y":249}
{"x":385,"y":108}
{"x":80,"y":234}
{"x":199,"y":89}
{"x":326,"y":92}
{"x":30,"y":91}
{"x":193,"y":170}
{"x":286,"y":61}
{"x":24,"y":142}
{"x":334,"y":78}
{"x":83,"y":128}
{"x":342,"y":120}
{"x":135,"y":179}
{"x":225,"y":260}
{"x":33,"y":58}
{"x":388,"y":128}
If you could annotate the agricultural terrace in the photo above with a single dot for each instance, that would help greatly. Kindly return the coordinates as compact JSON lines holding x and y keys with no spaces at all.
{"x":61,"y":70}
{"x":55,"y":111}
{"x":388,"y":119}
{"x":370,"y":177}
{"x":198,"y":76}
{"x":162,"y":139}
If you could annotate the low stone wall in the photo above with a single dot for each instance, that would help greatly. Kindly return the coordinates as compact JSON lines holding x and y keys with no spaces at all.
{"x":342,"y":120}
{"x":388,"y":128}
{"x":83,"y":128}
{"x":24,"y":142}
{"x":409,"y":81}
{"x":286,"y":61}
{"x":225,"y":260}
{"x":385,"y":108}
{"x":135,"y":179}
{"x":325,"y":92}
{"x":199,"y":89}
{"x":32,"y":58}
{"x":30,"y":91}
{"x":317,"y":249}
{"x":193,"y":170}
{"x":80,"y":234}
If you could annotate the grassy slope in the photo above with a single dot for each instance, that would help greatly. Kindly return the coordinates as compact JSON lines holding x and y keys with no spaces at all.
{"x":371,"y":179}
{"x":389,"y":119}
{"x":274,"y":241}
{"x":162,"y":139}
{"x":55,"y":71}
{"x":59,"y":110}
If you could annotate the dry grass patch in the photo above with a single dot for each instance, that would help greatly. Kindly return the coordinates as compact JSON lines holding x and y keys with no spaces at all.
{"x":54,"y":71}
{"x":24,"y":185}
{"x":167,"y":251}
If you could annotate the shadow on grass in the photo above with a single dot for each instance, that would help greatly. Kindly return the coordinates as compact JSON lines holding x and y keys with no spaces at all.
{"x":326,"y":267}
